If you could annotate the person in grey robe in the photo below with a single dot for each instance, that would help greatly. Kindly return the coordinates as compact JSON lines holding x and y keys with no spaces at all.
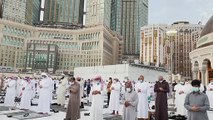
{"x":130,"y":103}
{"x":73,"y":110}
{"x":197,"y":103}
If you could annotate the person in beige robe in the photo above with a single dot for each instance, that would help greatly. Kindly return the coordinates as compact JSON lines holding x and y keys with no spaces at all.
{"x":73,"y":109}
{"x":61,"y":91}
{"x":130,"y":103}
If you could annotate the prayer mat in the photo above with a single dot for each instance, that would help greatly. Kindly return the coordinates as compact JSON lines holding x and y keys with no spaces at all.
{"x":15,"y":113}
{"x":173,"y":109}
{"x":30,"y":116}
{"x":172,"y":105}
{"x":3,"y":108}
{"x":87,"y":104}
{"x":60,"y":108}
{"x":109,"y":116}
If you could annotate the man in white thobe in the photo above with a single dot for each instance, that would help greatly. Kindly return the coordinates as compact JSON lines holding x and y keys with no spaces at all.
{"x":19,"y":85}
{"x":181,"y":93}
{"x":26,"y":94}
{"x":209,"y":93}
{"x":97,"y":99}
{"x":45,"y":85}
{"x":51,"y":88}
{"x":61,"y":91}
{"x":115,"y":96}
{"x":142,"y":89}
{"x":33,"y":85}
{"x":176,"y":87}
{"x":130,"y":103}
{"x":10,"y":93}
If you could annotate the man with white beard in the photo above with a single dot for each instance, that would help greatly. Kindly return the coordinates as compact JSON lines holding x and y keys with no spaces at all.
{"x":26,"y":94}
{"x":181,"y":93}
{"x":142,"y":89}
{"x":114,"y":102}
{"x":97,"y":99}
{"x":210,"y":93}
{"x":45,"y":85}
{"x":10,"y":93}
{"x":61,"y":91}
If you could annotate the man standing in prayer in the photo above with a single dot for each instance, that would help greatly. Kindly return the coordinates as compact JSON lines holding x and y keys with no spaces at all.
{"x":10,"y":93}
{"x":161,"y":106}
{"x":81,"y":83}
{"x":61,"y":91}
{"x":44,"y":94}
{"x":115,"y":96}
{"x":197,"y":103}
{"x":26,"y":94}
{"x":109,"y":90}
{"x":180,"y":98}
{"x":73,"y":110}
{"x":33,"y":82}
{"x":97,"y":99}
{"x":130,"y":103}
{"x":141,"y":89}
{"x":210,"y":93}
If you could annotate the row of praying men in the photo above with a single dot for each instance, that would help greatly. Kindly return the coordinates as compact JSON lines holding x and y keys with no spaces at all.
{"x":25,"y":88}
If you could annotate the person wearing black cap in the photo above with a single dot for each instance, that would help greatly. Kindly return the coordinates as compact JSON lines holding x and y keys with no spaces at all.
{"x":197,"y":103}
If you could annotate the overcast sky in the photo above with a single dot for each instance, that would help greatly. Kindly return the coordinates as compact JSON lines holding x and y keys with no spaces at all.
{"x":169,"y":11}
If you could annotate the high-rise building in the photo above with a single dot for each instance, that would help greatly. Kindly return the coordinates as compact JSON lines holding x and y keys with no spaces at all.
{"x":151,"y":45}
{"x":64,"y":11}
{"x":127,"y":17}
{"x":22,"y":11}
{"x":179,"y":45}
{"x":115,"y":22}
{"x":25,"y":47}
{"x":98,"y":12}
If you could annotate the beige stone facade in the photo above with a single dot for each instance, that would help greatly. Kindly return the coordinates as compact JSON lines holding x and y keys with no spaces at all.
{"x":169,"y":46}
{"x":202,"y":56}
{"x":152,"y":41}
{"x":77,"y":48}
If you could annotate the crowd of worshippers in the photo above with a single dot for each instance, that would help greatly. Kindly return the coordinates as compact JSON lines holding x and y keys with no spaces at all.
{"x":191,"y":98}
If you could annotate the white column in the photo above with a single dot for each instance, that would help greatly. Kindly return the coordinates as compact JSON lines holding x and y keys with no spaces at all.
{"x":204,"y":73}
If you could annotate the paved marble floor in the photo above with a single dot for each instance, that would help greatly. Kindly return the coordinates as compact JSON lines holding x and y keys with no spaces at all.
{"x":61,"y":115}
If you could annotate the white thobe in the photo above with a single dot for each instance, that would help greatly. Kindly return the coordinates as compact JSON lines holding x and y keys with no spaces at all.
{"x":33,"y":82}
{"x":181,"y":99}
{"x":97,"y":103}
{"x":142,"y":108}
{"x":10,"y":93}
{"x":81,"y":89}
{"x":44,"y":95}
{"x":26,"y":96}
{"x":202,"y":88}
{"x":115,"y":97}
{"x":176,"y":93}
{"x":51,"y":89}
{"x":19,"y":86}
{"x":210,"y":94}
{"x":130,"y":112}
{"x":61,"y":92}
